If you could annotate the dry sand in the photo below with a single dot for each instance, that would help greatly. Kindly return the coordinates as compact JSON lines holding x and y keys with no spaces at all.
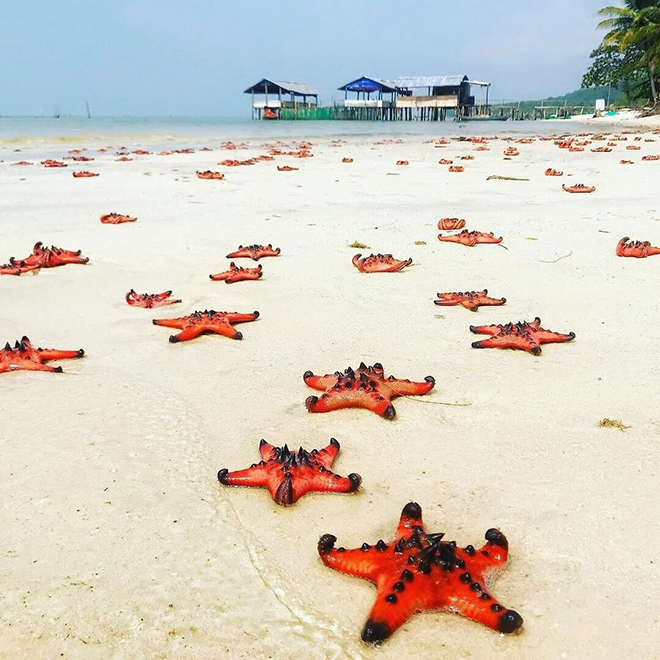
{"x":118,"y":541}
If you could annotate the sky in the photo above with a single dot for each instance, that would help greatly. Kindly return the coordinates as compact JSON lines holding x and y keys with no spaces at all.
{"x":196,"y":57}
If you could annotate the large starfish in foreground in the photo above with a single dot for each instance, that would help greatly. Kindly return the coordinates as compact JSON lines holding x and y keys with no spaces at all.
{"x":289,"y":475}
{"x":380,"y":263}
{"x":418,"y":571}
{"x":470,"y":238}
{"x":208,"y":321}
{"x":471,"y":300}
{"x":238,"y":274}
{"x":366,"y":387}
{"x":23,"y":356}
{"x":523,"y":336}
{"x":637,"y":249}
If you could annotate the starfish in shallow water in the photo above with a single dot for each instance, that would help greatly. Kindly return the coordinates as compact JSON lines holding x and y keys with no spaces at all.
{"x":254,"y":252}
{"x":471,"y":300}
{"x":470,"y":238}
{"x":380,"y":263}
{"x":23,"y":356}
{"x":637,"y":249}
{"x":289,"y":475}
{"x":366,"y":387}
{"x":150,"y":300}
{"x":208,"y":321}
{"x":238,"y":274}
{"x":523,"y":336}
{"x":418,"y":571}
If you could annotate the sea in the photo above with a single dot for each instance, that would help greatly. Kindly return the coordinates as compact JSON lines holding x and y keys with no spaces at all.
{"x":38,"y":135}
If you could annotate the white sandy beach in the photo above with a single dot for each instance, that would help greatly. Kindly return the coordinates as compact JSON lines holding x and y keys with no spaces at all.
{"x":117,"y":539}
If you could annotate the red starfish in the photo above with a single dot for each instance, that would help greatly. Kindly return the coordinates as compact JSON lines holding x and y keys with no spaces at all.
{"x":53,"y":163}
{"x":16,"y":267}
{"x":208,"y":174}
{"x":43,"y":257}
{"x":450,"y":224}
{"x":471,"y":300}
{"x":287,"y":168}
{"x":290,"y":475}
{"x":579,"y":188}
{"x":470,"y":238}
{"x":85,"y":174}
{"x":379,"y":263}
{"x":208,"y":321}
{"x":366,"y":387}
{"x":116,"y":219}
{"x":24,"y":356}
{"x":551,"y":172}
{"x":238,"y":274}
{"x":149,"y":300}
{"x":419,"y":571}
{"x":523,"y":336}
{"x":637,"y":249}
{"x":22,"y":162}
{"x":254,"y":252}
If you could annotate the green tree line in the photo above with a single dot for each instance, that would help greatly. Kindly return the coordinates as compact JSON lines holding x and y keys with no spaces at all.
{"x":629,"y":56}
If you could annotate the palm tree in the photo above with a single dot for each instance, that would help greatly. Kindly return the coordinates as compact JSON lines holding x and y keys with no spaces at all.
{"x":636,"y":25}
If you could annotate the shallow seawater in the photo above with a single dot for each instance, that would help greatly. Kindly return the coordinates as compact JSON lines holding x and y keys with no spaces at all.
{"x":38,"y":133}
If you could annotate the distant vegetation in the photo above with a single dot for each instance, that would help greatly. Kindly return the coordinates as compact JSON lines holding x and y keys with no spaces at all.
{"x":580,"y":97}
{"x":629,"y":55}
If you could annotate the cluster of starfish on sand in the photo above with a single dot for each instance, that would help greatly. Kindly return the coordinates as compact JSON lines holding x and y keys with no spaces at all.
{"x":324,"y":305}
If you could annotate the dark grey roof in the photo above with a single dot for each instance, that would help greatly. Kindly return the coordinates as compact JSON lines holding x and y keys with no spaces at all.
{"x":281,"y":86}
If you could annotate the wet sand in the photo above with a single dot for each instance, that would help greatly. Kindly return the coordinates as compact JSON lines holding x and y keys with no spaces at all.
{"x":118,"y":541}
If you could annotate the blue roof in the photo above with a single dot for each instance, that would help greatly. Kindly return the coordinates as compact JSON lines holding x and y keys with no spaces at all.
{"x":365,"y":84}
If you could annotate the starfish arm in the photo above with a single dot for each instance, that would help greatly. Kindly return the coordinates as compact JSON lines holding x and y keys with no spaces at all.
{"x":235,"y":317}
{"x":257,"y":475}
{"x":620,"y":247}
{"x":170,"y":323}
{"x":52,"y":354}
{"x":266,"y":450}
{"x":189,"y":333}
{"x":398,"y":265}
{"x":485,"y":329}
{"x":224,"y":329}
{"x":652,"y":250}
{"x":390,"y":611}
{"x":358,"y":563}
{"x":356,"y":262}
{"x":411,"y":518}
{"x":486,"y":611}
{"x":548,"y":337}
{"x":410,"y":388}
{"x":470,"y":304}
{"x":335,"y":400}
{"x":164,"y":303}
{"x":446,"y":299}
{"x":483,"y":299}
{"x":313,"y":480}
{"x":163,"y":296}
{"x":326,"y":456}
{"x":521,"y":342}
{"x":33,"y":365}
{"x":219,"y":277}
{"x":321,"y":383}
{"x":449,"y":239}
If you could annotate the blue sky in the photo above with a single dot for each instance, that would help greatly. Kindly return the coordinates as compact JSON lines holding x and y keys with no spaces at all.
{"x":195,"y":57}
